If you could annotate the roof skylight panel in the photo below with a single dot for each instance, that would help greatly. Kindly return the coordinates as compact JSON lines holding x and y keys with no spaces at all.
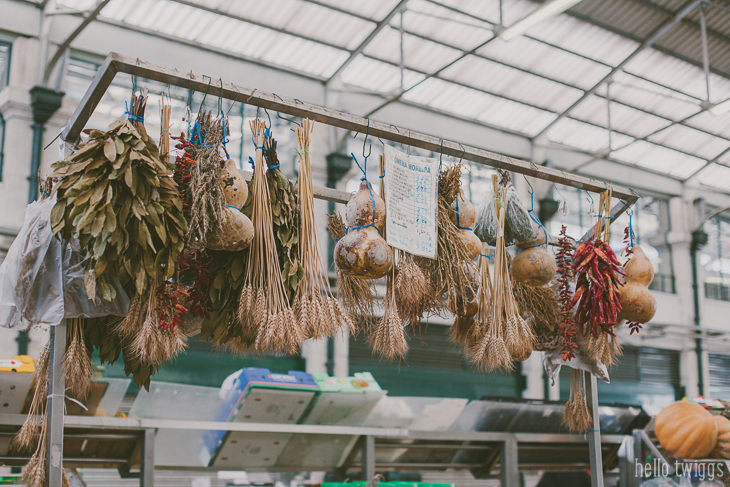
{"x":717,"y":124}
{"x":584,"y":136}
{"x":678,"y":74}
{"x":548,"y":61}
{"x":715,"y":176}
{"x":77,"y":4}
{"x":623,"y":119}
{"x":303,"y":55}
{"x":511,"y":83}
{"x":659,"y":159}
{"x":689,"y":140}
{"x":444,"y":25}
{"x":583,"y":38}
{"x":374,"y":9}
{"x":377,"y":76}
{"x":650,"y":96}
{"x":418,"y":53}
{"x":118,"y":9}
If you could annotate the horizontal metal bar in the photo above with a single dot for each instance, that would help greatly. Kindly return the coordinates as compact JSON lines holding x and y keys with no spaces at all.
{"x":121,"y":461}
{"x":424,"y":465}
{"x":118,"y":63}
{"x":430,"y":446}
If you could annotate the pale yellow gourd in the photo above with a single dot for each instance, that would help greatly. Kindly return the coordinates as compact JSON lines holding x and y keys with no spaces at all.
{"x":533,"y":265}
{"x":467,"y":214}
{"x":638,"y":304}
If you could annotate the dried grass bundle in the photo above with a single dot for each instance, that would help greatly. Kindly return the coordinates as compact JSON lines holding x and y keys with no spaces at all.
{"x":505,"y":322}
{"x":414,"y":293}
{"x":452,"y":269}
{"x":263,"y":309}
{"x":539,"y":306}
{"x":28,"y":435}
{"x":388,"y":338}
{"x":318,"y":312}
{"x":207,"y":201}
{"x":77,"y":361}
{"x":603,"y":348}
{"x":576,"y":415}
{"x":357,"y":295}
{"x":165,"y":111}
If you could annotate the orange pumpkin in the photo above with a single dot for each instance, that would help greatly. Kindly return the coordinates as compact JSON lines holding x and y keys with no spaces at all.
{"x":722,"y":446}
{"x":686,"y":430}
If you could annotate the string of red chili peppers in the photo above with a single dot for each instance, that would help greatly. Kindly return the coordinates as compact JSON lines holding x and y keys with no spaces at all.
{"x":564,"y":259}
{"x":597,"y":291}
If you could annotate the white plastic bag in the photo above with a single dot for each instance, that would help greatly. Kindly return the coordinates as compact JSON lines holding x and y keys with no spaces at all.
{"x":553,"y":360}
{"x":486,"y":226}
{"x":31,"y":287}
{"x":76,"y":302}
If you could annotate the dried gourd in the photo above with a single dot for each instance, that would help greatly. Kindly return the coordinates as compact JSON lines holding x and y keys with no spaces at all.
{"x":363,"y":252}
{"x":638,"y":304}
{"x":533,"y":265}
{"x":464,"y":216}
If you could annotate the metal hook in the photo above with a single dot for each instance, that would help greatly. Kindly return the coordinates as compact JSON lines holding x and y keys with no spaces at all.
{"x":367,"y":134}
{"x":202,"y":103}
{"x":298,"y":101}
{"x":441,"y":157}
{"x":278,"y":114}
{"x":251,"y":95}
{"x":462,"y":153}
{"x":277,"y":96}
{"x":590,"y":199}
{"x":220,"y":99}
{"x":268,"y":116}
{"x":532,"y":191}
{"x":234,"y":101}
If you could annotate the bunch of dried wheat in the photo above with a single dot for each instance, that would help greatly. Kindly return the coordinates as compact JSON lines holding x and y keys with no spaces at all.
{"x":603,"y":348}
{"x":318,"y":312}
{"x":389,"y":339}
{"x":576,"y":415}
{"x":207,"y":201}
{"x":357,"y":295}
{"x":263,"y":309}
{"x":30,"y":432}
{"x":77,"y":361}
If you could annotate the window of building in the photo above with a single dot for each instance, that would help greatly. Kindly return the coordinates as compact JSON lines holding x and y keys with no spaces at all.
{"x":5,"y":48}
{"x":715,"y":258}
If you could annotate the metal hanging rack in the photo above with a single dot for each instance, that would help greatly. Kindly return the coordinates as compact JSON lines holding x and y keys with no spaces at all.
{"x":117,"y":63}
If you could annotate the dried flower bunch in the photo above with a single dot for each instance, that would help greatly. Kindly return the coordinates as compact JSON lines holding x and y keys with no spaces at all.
{"x":318,"y":312}
{"x":264,"y":311}
{"x":117,"y":197}
{"x":206,"y":198}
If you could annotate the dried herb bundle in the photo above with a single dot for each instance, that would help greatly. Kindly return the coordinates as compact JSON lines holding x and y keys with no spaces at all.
{"x":264,"y":309}
{"x":318,"y":312}
{"x":77,"y":361}
{"x":286,"y":218}
{"x":540,"y":308}
{"x":117,"y":196}
{"x":452,"y":269}
{"x":357,"y":295}
{"x":207,"y":201}
{"x":576,"y":415}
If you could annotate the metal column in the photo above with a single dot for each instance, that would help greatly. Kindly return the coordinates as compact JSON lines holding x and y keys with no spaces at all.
{"x":594,"y":434}
{"x":368,"y":458}
{"x":55,"y":407}
{"x":508,"y":470}
{"x":147,"y":459}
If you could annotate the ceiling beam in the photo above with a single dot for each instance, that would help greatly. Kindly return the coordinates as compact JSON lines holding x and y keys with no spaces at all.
{"x":89,"y":18}
{"x":658,"y":33}
{"x":379,"y":26}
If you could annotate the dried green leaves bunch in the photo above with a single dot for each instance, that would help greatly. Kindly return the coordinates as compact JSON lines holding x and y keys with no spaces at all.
{"x":207,"y":201}
{"x":286,"y":218}
{"x":115,"y":194}
{"x":318,"y":312}
{"x":267,"y":320}
{"x":357,"y":295}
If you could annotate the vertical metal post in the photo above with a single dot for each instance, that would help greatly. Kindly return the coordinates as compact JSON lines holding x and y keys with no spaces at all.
{"x":509,"y":470}
{"x":705,"y":50}
{"x":638,"y":470}
{"x":56,"y":398}
{"x":368,"y":458}
{"x":147,"y":459}
{"x":594,"y":434}
{"x":501,"y":21}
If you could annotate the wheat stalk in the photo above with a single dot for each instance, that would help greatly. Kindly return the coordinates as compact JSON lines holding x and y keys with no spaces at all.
{"x":264,"y":310}
{"x":165,"y":111}
{"x":77,"y":361}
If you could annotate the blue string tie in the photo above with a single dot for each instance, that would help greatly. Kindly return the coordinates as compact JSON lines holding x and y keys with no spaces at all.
{"x":457,"y":216}
{"x":253,"y":165}
{"x":130,"y":116}
{"x":224,"y":141}
{"x":631,"y":232}
{"x":274,"y":167}
{"x":364,"y":169}
{"x":531,"y":213}
{"x":255,"y":146}
{"x":196,"y":131}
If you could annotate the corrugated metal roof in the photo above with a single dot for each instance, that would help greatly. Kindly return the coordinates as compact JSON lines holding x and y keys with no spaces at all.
{"x":715,"y":176}
{"x":657,"y":115}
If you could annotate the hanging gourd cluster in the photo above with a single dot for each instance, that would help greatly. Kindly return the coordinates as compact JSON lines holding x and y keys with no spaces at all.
{"x":198,"y":250}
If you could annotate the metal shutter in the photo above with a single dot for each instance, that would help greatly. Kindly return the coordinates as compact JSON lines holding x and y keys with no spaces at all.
{"x":720,"y":376}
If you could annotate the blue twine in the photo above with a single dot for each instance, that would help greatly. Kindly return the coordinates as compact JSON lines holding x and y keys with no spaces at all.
{"x":201,"y":140}
{"x":129,"y":116}
{"x":487,"y":256}
{"x":224,"y":141}
{"x":457,"y":216}
{"x":274,"y":167}
{"x":253,"y":165}
{"x":255,"y":146}
{"x":531,"y":213}
{"x":631,"y":232}
{"x":230,"y":206}
{"x":364,"y":169}
{"x":585,"y":433}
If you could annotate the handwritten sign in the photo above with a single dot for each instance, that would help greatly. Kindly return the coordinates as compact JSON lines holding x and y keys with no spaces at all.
{"x":411,"y":184}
